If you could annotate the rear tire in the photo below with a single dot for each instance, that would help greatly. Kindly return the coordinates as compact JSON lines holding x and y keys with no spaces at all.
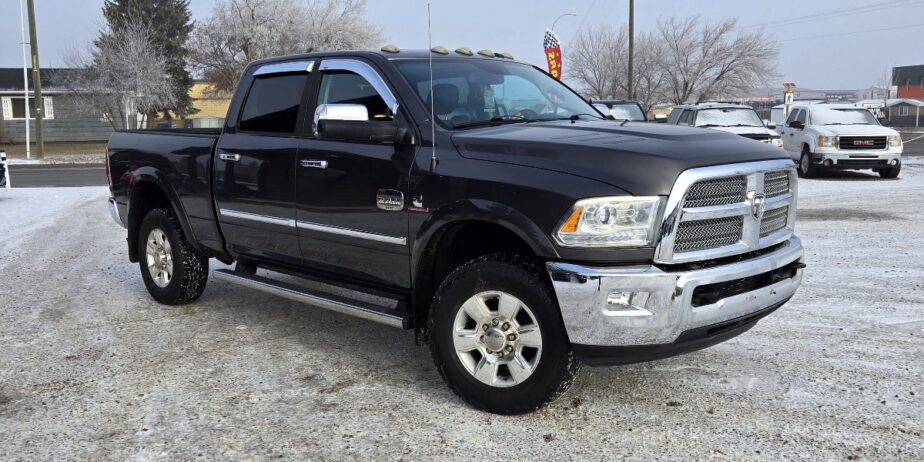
{"x":523,"y":360}
{"x":890,"y":172}
{"x":806,"y":168}
{"x":173,"y":272}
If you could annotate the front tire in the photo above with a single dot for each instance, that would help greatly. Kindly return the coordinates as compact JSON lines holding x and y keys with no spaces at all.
{"x":173,"y":272}
{"x":890,"y":172}
{"x":497,"y":338}
{"x":806,"y":168}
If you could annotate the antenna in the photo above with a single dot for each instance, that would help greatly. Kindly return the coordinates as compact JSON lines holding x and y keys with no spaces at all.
{"x":433,"y":160}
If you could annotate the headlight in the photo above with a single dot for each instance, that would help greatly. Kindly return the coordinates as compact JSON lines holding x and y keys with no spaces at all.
{"x":776,"y":141}
{"x":895,"y":141}
{"x":610,"y":222}
{"x":827,"y":141}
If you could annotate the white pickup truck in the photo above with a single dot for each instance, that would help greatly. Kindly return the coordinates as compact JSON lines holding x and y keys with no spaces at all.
{"x":829,"y":136}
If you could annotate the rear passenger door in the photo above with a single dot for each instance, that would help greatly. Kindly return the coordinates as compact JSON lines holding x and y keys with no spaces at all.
{"x":255,"y":165}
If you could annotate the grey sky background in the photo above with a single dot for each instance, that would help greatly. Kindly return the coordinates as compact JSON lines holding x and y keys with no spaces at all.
{"x":821,"y":47}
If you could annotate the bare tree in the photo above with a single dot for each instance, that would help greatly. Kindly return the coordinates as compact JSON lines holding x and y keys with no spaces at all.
{"x":650,"y":77}
{"x":705,"y":61}
{"x":240,"y":31}
{"x":595,"y":59}
{"x":123,"y":74}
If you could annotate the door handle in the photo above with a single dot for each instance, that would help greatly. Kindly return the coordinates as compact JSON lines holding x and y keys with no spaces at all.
{"x":311,"y":163}
{"x":227,"y":157}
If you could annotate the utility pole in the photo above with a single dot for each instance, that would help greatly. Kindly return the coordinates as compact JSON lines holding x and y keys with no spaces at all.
{"x":25,"y":79}
{"x":631,"y":48}
{"x":37,"y":84}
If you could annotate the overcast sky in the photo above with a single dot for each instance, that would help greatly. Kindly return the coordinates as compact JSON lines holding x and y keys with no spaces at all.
{"x":824,"y":44}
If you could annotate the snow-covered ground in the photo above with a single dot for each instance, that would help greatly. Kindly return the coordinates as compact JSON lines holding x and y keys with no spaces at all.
{"x":91,"y":368}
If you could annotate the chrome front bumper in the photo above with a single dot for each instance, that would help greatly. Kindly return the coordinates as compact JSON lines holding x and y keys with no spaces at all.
{"x":586,"y":298}
{"x":114,"y":212}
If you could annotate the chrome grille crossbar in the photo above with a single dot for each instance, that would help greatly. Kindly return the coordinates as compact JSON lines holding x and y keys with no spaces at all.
{"x":725,"y":210}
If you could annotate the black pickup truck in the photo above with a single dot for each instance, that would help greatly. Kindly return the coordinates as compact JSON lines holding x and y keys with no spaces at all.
{"x":483,"y":203}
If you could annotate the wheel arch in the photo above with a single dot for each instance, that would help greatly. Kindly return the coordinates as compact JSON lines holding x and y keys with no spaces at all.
{"x":486,"y":227}
{"x":147,"y":191}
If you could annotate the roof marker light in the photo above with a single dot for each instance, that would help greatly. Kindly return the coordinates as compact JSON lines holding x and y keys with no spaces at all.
{"x":440,"y":50}
{"x":391,"y":49}
{"x":487,"y":53}
{"x":464,"y":51}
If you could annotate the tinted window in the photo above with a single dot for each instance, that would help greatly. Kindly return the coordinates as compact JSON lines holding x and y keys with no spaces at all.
{"x":344,"y":87}
{"x":684,"y":118}
{"x":802,"y":116}
{"x":272,"y":104}
{"x":792,"y":116}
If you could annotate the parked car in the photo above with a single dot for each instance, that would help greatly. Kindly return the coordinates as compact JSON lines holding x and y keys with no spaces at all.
{"x":622,"y":110}
{"x":739,"y":119}
{"x":2,"y":168}
{"x":517,"y":239}
{"x":840,"y":136}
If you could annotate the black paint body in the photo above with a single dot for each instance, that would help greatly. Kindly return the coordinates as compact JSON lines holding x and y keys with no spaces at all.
{"x":523,"y":177}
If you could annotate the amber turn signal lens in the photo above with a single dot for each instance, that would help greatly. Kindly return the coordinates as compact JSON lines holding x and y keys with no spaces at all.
{"x":571,"y":225}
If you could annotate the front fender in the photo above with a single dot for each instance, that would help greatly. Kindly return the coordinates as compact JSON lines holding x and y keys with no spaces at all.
{"x":487,"y":211}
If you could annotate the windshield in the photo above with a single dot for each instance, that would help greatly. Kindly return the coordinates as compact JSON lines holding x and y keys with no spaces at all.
{"x":474,"y":92}
{"x":728,"y":117}
{"x":626,"y":111}
{"x":843,"y":117}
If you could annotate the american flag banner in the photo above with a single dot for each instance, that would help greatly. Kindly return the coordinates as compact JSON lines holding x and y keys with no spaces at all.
{"x":552,"y":53}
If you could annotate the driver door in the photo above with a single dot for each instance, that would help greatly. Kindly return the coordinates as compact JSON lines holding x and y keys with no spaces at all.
{"x":792,"y":136}
{"x":351,"y":196}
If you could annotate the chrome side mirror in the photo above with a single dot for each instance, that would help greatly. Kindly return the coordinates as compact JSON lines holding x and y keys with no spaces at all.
{"x":352,"y":112}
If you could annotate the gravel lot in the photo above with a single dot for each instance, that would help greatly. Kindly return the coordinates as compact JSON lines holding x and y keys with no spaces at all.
{"x":92,"y":369}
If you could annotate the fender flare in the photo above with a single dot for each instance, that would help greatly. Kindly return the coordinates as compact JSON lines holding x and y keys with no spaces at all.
{"x":151,"y":177}
{"x":469,"y":210}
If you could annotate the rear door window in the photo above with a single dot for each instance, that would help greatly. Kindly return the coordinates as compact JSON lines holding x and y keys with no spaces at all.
{"x":273,"y":103}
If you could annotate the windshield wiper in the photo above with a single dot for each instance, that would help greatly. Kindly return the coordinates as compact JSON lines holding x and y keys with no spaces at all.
{"x":500,"y":120}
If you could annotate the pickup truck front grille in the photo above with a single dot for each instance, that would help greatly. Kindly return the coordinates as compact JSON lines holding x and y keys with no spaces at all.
{"x":717,"y":191}
{"x":776,"y":183}
{"x":708,"y":234}
{"x":774,"y":221}
{"x":862,"y":142}
{"x":726,"y":210}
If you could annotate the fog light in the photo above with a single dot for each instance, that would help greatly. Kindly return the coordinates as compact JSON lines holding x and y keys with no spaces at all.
{"x":828,"y":162}
{"x":626,"y":303}
{"x":893,"y":162}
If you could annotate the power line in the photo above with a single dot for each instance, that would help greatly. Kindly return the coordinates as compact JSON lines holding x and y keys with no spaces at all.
{"x":833,"y":14}
{"x":853,"y":32}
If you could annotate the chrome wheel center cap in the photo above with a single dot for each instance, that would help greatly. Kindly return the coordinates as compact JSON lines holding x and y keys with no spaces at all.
{"x":494,"y":339}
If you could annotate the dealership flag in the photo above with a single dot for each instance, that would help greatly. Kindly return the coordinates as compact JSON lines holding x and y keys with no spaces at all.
{"x":553,"y":53}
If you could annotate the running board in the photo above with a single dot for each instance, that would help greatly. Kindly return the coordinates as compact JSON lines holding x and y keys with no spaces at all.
{"x":323,"y":300}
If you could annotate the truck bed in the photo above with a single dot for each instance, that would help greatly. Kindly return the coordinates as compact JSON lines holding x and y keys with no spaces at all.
{"x":180,"y":160}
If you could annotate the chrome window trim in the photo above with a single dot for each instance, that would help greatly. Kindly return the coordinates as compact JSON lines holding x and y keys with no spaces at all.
{"x":351,"y":233}
{"x":257,"y":217}
{"x":367,"y":72}
{"x":751,"y":240}
{"x":288,"y":66}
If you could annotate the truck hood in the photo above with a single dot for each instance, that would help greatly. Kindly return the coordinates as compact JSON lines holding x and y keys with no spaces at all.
{"x":855,"y":130}
{"x":643,"y":159}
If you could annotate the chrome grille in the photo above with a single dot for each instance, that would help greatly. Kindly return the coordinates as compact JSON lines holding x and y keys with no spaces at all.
{"x":773,"y":221}
{"x":776,"y":183}
{"x":715,"y":212}
{"x":708,"y":234}
{"x":717,"y":191}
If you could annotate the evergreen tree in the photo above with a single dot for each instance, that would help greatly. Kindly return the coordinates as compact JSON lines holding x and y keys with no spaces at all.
{"x":171,"y":22}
